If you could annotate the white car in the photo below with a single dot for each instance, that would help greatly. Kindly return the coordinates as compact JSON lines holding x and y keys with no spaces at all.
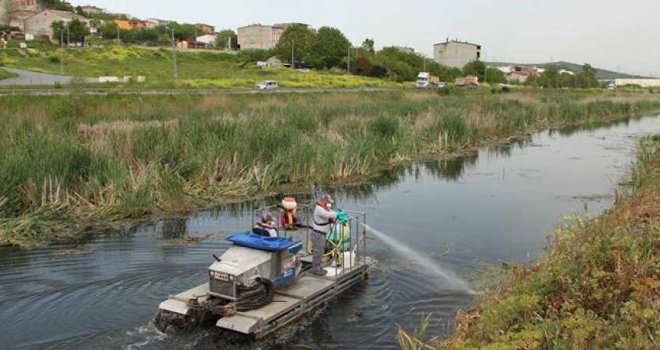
{"x":267,"y":85}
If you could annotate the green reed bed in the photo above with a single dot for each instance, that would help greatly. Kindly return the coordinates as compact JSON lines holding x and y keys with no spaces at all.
{"x":99,"y":158}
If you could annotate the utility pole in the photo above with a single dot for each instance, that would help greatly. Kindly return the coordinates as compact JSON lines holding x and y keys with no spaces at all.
{"x":61,"y":52}
{"x":293,"y":58}
{"x":485,"y":67}
{"x":118,"y":39}
{"x":348,"y":61}
{"x":175,"y":73}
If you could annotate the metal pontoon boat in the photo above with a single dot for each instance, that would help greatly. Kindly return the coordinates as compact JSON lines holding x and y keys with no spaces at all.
{"x":262,"y":284}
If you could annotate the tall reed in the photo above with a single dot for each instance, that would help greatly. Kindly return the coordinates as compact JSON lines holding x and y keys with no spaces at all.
{"x":127,"y":156}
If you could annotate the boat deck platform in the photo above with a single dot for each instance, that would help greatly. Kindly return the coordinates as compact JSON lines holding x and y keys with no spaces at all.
{"x":289,"y":303}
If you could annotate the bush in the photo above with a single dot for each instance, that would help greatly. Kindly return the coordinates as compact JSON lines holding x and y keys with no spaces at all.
{"x":384,"y":126}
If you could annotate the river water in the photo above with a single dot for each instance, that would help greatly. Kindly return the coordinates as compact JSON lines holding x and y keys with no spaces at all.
{"x":496,"y":206}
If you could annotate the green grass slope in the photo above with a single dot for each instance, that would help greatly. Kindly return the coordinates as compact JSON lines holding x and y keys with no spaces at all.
{"x":195,"y":68}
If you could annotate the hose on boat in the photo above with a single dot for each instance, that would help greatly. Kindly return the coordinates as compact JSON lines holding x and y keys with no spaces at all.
{"x":250,"y":299}
{"x":256,"y":298}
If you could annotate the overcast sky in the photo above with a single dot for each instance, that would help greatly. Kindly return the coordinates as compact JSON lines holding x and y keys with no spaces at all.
{"x":612,"y":34}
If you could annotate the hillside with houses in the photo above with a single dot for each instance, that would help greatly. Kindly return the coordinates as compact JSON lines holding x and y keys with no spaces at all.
{"x":47,"y":24}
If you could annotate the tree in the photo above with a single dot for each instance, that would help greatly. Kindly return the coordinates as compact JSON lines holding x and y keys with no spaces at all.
{"x":254,"y":55}
{"x":297,"y":38}
{"x":56,"y":5}
{"x":330,"y":47}
{"x":368,"y":44}
{"x":182,"y":31}
{"x":145,"y":35}
{"x":568,"y":80}
{"x":477,"y":68}
{"x":227,"y":40}
{"x":363,"y":66}
{"x":74,"y":31}
{"x":400,"y":66}
{"x":495,"y":75}
{"x":589,"y":76}
{"x":550,"y":77}
{"x":108,"y":30}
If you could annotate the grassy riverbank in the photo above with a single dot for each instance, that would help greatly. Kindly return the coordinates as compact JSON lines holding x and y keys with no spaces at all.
{"x":597,"y":289}
{"x":68,"y":162}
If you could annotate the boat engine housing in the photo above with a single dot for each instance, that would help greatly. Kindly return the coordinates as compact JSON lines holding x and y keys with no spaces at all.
{"x":241,"y":268}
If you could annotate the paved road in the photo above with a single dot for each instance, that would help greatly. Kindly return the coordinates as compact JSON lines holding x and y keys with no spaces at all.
{"x":149,"y":91}
{"x":26,"y":77}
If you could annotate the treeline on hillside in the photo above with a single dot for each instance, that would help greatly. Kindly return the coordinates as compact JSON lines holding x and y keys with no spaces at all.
{"x":552,"y":77}
{"x":56,"y":5}
{"x":329,"y":48}
{"x":326,"y":49}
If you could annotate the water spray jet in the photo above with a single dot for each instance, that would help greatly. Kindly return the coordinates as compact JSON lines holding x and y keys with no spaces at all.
{"x":430,"y":267}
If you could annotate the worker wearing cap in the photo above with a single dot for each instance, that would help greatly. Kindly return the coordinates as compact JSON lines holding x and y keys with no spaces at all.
{"x":265,"y":226}
{"x":324,"y":217}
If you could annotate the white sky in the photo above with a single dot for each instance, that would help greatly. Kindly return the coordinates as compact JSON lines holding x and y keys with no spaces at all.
{"x":612,"y":34}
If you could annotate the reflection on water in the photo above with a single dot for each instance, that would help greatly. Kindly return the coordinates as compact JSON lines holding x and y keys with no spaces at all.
{"x":495,"y":205}
{"x":174,"y":228}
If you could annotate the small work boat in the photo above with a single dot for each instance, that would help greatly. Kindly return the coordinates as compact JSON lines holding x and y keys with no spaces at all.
{"x":261,"y":284}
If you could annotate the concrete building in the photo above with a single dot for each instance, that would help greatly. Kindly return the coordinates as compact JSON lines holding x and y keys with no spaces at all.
{"x":9,"y":7}
{"x":17,"y":18}
{"x":264,"y":37}
{"x":521,"y":74}
{"x":41,"y":23}
{"x":92,"y":9}
{"x":154,"y":22}
{"x":257,"y":36}
{"x":205,"y":28}
{"x":274,"y":62}
{"x":456,"y":53}
{"x":132,"y":24}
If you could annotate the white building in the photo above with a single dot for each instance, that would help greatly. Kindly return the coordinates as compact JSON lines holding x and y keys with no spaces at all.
{"x":41,"y":23}
{"x":92,"y":9}
{"x":155,"y":22}
{"x":641,"y":82}
{"x":207,"y":39}
{"x":456,"y":53}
